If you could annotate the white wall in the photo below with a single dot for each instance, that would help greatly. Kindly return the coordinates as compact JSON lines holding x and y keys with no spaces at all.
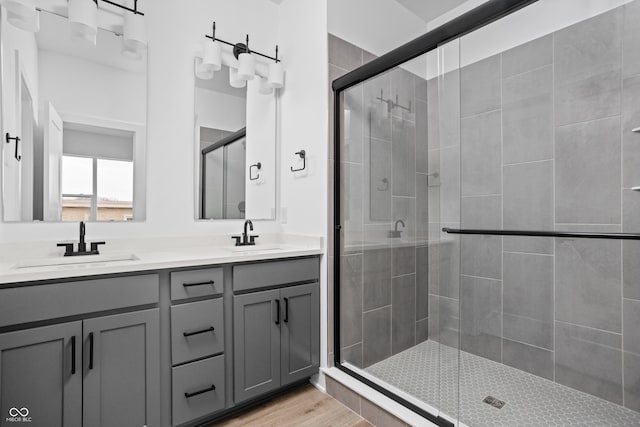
{"x":174,"y":29}
{"x":304,"y":107}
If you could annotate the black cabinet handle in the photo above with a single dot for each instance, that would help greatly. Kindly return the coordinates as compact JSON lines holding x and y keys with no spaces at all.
{"x":286,"y":310}
{"x":73,"y":355}
{"x":200,"y":331}
{"x":90,"y":350}
{"x":277,"y":311}
{"x":208,"y":282}
{"x":204,"y":390}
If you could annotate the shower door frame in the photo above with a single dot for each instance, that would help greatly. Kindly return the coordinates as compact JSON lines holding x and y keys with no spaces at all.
{"x":478,"y":17}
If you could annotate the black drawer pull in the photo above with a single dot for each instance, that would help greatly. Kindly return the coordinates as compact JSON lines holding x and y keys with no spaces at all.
{"x":286,"y":310}
{"x":204,"y":390}
{"x":200,"y":331}
{"x":277,"y":311}
{"x":90,"y":350}
{"x":208,"y":282}
{"x":73,"y":355}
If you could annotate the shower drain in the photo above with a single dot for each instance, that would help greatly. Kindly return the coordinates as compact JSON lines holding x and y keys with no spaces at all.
{"x":496,"y":403}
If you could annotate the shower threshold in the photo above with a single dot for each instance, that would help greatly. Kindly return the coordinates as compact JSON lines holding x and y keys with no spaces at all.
{"x":428,"y":372}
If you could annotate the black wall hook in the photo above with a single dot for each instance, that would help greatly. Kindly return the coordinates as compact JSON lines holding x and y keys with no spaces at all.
{"x":257,"y":166}
{"x":8,"y":139}
{"x":303,"y":156}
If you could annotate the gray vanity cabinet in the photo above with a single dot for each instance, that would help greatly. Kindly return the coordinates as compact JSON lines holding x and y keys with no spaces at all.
{"x":277,"y":338}
{"x":300,"y":337}
{"x":121,"y":365}
{"x":41,"y":376}
{"x":256,"y":333}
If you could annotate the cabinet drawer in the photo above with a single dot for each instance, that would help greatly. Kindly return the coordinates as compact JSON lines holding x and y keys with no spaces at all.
{"x":43,"y":302}
{"x":196,"y":283}
{"x":196,"y":320}
{"x":265,"y":274}
{"x":193,"y":393}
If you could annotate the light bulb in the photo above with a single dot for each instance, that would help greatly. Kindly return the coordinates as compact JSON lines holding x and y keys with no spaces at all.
{"x":235,"y":80}
{"x":83,"y":18}
{"x":23,"y":15}
{"x":134,"y":35}
{"x":246,"y":66}
{"x":276,"y":75}
{"x":212,"y":55}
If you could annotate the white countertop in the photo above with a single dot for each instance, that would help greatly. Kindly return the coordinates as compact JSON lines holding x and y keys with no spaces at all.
{"x":17,"y":260}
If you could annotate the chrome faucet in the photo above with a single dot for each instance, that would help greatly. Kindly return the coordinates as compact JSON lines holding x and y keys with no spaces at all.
{"x":245,"y":239}
{"x":395,"y":232}
{"x":82,"y":246}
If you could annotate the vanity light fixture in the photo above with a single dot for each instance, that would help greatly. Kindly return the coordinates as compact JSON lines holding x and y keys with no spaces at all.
{"x":246,"y":67}
{"x":83,"y":18}
{"x":23,"y":14}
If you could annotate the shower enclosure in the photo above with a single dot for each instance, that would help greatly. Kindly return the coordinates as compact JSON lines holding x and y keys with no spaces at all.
{"x":487,"y":246}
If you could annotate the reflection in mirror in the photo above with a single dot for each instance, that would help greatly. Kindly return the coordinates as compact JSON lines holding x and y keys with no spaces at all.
{"x":235,"y":128}
{"x":80,"y":112}
{"x":223,"y":160}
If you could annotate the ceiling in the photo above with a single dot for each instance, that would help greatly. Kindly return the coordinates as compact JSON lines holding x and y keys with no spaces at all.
{"x":428,"y":10}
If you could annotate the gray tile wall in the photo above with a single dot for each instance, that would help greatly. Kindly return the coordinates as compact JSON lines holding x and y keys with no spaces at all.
{"x":545,"y":143}
{"x":384,"y":164}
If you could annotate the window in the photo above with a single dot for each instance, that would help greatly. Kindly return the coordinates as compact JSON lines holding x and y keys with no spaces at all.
{"x":95,"y":189}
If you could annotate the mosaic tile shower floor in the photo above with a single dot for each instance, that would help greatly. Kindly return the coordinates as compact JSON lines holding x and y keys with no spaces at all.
{"x":530,"y":400}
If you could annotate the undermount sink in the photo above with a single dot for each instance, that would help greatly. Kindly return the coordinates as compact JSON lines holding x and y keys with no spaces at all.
{"x":75,"y":260}
{"x":256,"y":248}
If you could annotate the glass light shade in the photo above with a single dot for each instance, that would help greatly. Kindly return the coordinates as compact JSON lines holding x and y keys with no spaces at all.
{"x":235,"y":80}
{"x":264,"y":87}
{"x":83,"y":18}
{"x":23,"y":14}
{"x":212,"y":55}
{"x":246,"y":66}
{"x":276,"y":75}
{"x":134,"y":34}
{"x":131,"y":53}
{"x":203,"y":72}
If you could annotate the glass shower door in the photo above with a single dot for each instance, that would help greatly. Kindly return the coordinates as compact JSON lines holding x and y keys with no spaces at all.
{"x":397,"y":282}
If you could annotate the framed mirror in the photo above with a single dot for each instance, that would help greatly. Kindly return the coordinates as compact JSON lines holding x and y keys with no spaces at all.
{"x":79,"y":110}
{"x":235,"y":133}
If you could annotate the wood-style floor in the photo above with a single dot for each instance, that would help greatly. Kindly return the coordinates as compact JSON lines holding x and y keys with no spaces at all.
{"x":303,"y":407}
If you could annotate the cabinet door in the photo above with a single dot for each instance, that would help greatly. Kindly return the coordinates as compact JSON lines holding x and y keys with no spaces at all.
{"x":256,"y":326}
{"x":300,"y":332}
{"x":41,"y":376}
{"x":122,"y":370}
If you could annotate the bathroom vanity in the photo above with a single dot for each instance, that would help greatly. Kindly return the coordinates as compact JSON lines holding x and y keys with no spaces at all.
{"x":179,"y":339}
